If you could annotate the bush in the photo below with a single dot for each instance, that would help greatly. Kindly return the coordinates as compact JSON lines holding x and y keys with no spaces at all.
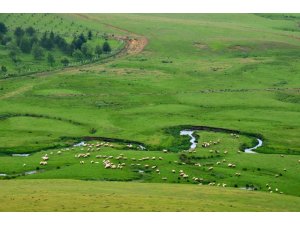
{"x":38,"y":52}
{"x":3,"y":69}
{"x":3,"y":28}
{"x":92,"y":130}
{"x":65,"y":61}
{"x":106,"y":47}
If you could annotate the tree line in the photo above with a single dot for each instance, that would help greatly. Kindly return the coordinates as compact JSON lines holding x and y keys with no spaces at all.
{"x":30,"y":41}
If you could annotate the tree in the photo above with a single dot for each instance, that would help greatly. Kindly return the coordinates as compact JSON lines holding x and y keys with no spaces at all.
{"x":19,"y":32}
{"x":90,"y":35}
{"x":30,"y":31}
{"x":78,"y":55}
{"x":50,"y":59}
{"x":3,"y":69}
{"x":65,"y":61}
{"x":3,"y":28}
{"x":25,"y":45}
{"x":46,"y":42}
{"x":13,"y":56}
{"x":78,"y":41}
{"x":52,"y":36}
{"x":37,"y":51}
{"x":87,"y":50}
{"x":5,"y":39}
{"x":106,"y":47}
{"x":98,"y":50}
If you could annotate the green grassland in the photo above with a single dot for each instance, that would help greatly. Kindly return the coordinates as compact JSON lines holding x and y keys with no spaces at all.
{"x":70,"y":195}
{"x":232,"y":71}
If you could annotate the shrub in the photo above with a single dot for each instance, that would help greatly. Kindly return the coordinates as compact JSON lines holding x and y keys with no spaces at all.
{"x":3,"y":69}
{"x":37,"y":52}
{"x":92,"y":130}
{"x":3,"y":28}
{"x":106,"y":47}
{"x":65,"y":61}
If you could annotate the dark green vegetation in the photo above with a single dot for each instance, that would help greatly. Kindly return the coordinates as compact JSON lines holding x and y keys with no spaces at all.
{"x":30,"y":49}
{"x":236,"y":72}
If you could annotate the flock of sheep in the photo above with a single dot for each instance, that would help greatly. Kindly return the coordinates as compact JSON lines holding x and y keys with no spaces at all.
{"x":145,"y":162}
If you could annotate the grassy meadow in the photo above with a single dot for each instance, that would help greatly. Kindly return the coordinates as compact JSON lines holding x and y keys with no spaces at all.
{"x":233,"y":71}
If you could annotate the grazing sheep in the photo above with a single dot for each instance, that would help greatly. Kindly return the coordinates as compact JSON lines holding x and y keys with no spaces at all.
{"x":164,"y":178}
{"x":153,"y":158}
{"x":284,"y":169}
{"x":43,"y":163}
{"x":133,"y":159}
{"x":267,"y":185}
{"x":92,"y":162}
{"x":218,"y":163}
{"x":197,"y":164}
{"x":59,"y":152}
{"x":224,"y":160}
{"x":269,"y":188}
{"x":238,"y":174}
{"x":281,"y":155}
{"x":224,"y":185}
{"x":229,"y":164}
{"x":173,"y":171}
{"x":153,"y":167}
{"x":281,"y":192}
{"x":185,"y":176}
{"x":24,"y":164}
{"x":238,"y":152}
{"x":132,"y":164}
{"x":225,"y":152}
{"x":276,"y":189}
{"x":160,"y":158}
{"x":165,"y":151}
{"x":45,"y":158}
{"x":271,"y":192}
{"x":205,"y":144}
{"x":211,"y":151}
{"x":157,"y":170}
{"x":276,"y":175}
{"x":146,"y":166}
{"x":81,"y":162}
{"x":210,"y":168}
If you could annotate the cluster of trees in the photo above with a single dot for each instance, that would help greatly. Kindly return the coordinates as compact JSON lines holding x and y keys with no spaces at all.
{"x":29,"y":41}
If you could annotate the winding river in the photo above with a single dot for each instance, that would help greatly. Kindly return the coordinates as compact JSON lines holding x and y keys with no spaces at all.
{"x":193,"y":139}
{"x":250,"y":150}
{"x":194,"y":142}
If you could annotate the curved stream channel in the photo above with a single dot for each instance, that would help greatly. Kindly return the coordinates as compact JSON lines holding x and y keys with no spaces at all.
{"x":194,"y":142}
